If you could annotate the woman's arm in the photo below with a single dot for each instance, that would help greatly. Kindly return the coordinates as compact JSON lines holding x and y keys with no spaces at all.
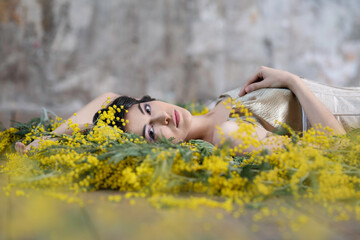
{"x":83,"y":118}
{"x":85,"y":115}
{"x":315,"y":110}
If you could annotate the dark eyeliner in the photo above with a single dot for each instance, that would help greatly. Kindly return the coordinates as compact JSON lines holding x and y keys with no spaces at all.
{"x":148,"y":131}
{"x":153,"y":130}
{"x":145,"y":106}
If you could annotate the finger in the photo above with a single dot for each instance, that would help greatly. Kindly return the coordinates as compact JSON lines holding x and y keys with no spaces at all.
{"x":22,"y":149}
{"x":18,"y":147}
{"x":242,"y":92}
{"x":254,"y":86}
{"x":256,"y":77}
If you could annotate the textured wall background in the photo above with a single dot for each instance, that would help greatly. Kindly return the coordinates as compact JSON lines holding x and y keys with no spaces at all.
{"x":62,"y":53}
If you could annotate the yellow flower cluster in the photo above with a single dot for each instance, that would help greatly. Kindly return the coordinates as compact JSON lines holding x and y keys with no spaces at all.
{"x":6,"y":138}
{"x":314,"y":165}
{"x":109,"y":118}
{"x":197,"y":109}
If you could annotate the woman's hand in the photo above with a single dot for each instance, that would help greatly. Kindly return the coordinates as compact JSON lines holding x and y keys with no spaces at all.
{"x":22,"y":149}
{"x":268,"y":78}
{"x":315,"y":110}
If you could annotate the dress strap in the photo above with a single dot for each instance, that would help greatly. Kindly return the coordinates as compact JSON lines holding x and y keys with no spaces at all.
{"x":304,"y":120}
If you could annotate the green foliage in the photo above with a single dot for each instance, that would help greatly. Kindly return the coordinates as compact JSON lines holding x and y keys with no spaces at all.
{"x":162,"y":154}
{"x":44,"y":121}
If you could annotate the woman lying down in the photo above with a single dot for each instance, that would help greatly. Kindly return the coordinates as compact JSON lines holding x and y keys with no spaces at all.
{"x":271,"y":95}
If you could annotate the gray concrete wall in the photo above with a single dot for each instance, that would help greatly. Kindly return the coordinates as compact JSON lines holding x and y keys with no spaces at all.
{"x":62,"y":53}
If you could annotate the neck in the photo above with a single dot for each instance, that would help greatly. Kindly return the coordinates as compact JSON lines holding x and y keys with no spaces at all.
{"x":202,"y":127}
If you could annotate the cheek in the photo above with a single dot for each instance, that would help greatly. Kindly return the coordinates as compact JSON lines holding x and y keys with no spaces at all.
{"x":168,"y":133}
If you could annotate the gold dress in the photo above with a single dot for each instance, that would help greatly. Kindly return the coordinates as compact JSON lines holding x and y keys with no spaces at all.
{"x":271,"y":104}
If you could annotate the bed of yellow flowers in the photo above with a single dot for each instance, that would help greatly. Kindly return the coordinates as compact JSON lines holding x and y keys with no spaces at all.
{"x":317,"y":166}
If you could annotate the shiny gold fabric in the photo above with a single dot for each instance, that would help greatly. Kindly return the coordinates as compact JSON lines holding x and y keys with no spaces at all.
{"x":270,"y":104}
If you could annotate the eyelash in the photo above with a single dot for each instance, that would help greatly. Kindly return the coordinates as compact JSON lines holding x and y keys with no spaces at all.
{"x":147,"y":109}
{"x":151,"y":134}
{"x":151,"y":131}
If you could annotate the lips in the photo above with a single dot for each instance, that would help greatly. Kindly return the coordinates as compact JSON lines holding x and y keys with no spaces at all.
{"x":176,"y":118}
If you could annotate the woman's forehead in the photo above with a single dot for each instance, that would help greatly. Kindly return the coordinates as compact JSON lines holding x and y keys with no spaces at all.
{"x":134,"y":112}
{"x":136,"y":118}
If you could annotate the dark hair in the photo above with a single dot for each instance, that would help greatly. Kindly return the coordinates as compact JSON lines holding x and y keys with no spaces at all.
{"x":126,"y":102}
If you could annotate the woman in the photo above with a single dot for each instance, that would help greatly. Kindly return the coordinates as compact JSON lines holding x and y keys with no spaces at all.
{"x":154,"y":119}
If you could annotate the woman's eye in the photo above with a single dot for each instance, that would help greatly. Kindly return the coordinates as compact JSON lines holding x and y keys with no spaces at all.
{"x":151,"y":134}
{"x":148,"y":108}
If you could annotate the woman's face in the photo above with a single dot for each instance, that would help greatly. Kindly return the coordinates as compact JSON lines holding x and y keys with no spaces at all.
{"x":157,"y":119}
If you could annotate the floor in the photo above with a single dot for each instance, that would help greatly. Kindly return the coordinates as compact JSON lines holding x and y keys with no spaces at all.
{"x":36,"y":215}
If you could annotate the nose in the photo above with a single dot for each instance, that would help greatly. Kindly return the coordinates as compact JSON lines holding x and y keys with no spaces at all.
{"x":161,"y":118}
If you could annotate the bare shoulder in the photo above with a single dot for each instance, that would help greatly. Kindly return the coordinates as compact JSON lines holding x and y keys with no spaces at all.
{"x":223,"y":131}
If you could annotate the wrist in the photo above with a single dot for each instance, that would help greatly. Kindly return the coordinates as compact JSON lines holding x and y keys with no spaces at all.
{"x":294,"y":82}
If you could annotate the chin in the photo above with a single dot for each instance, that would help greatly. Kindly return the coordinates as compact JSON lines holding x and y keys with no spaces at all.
{"x":186,"y":116}
{"x":185,"y":125}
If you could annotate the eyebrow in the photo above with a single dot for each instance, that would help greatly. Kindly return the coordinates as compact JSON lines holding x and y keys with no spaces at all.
{"x":143,"y":132}
{"x":141,"y":109}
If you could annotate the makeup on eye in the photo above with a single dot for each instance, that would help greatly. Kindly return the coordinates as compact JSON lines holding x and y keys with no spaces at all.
{"x":150,"y":131}
{"x":155,"y":119}
{"x":151,"y":134}
{"x":147,"y":108}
